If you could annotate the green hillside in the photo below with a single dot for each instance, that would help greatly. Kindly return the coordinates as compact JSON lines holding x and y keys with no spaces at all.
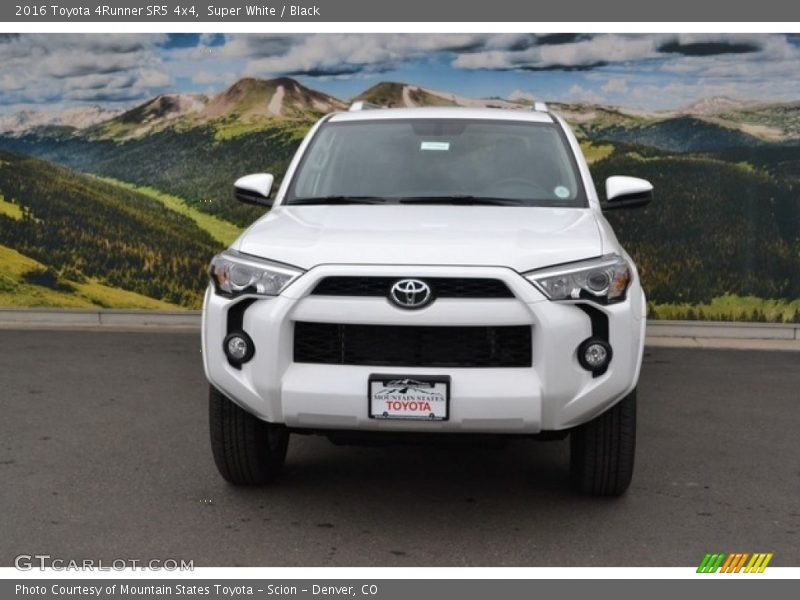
{"x":193,"y":164}
{"x":714,"y":228}
{"x":10,"y":209}
{"x":780,"y":120}
{"x":222,"y":231}
{"x":27,"y":283}
{"x":730,"y":307}
{"x":679,"y":134}
{"x":84,"y":231}
{"x":781,"y":161}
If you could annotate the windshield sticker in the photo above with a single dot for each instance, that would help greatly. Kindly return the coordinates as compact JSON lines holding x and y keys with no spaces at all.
{"x":561,"y":192}
{"x":440,"y":146}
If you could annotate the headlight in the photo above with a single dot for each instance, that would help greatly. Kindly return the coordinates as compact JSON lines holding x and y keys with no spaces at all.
{"x":234,"y":274}
{"x":604,"y":280}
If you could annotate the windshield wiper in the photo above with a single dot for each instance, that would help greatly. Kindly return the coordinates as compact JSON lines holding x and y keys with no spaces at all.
{"x":465,"y":200}
{"x":337,"y":200}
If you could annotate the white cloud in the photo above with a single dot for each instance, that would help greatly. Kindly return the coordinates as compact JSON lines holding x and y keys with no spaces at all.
{"x":659,"y":69}
{"x":578,"y":93}
{"x":522,"y":96}
{"x":207,"y":38}
{"x":345,"y":53}
{"x":13,"y":82}
{"x":153,"y":78}
{"x":68,"y":67}
{"x":98,"y":81}
{"x":213,"y":78}
{"x":257,"y":46}
{"x":600,"y":49}
{"x":615,"y":85}
{"x":494,"y":59}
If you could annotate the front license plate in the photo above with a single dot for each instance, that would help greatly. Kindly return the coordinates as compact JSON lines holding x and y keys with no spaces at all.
{"x":423,"y":397}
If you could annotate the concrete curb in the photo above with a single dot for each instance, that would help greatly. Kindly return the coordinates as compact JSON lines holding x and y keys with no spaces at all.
{"x":728,"y":335}
{"x":675,"y":334}
{"x":724,"y":329}
{"x":34,"y":318}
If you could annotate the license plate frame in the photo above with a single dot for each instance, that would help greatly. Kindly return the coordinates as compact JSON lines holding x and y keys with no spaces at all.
{"x":433,"y":389}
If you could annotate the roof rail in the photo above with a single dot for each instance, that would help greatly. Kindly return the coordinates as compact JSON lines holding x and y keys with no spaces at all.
{"x":363,"y":105}
{"x":540,"y":107}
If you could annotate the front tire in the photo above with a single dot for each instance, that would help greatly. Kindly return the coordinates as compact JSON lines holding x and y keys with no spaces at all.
{"x":602,"y":450}
{"x":247,"y":450}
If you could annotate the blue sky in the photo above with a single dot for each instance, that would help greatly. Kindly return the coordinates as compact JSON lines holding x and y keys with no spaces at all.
{"x":658,"y":71}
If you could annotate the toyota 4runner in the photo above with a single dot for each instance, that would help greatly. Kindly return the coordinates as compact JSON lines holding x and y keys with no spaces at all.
{"x":428,"y":272}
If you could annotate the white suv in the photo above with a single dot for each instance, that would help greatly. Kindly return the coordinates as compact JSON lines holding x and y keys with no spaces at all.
{"x":427,"y":272}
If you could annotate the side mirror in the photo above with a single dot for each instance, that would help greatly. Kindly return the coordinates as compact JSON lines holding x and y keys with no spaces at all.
{"x":627,"y":192}
{"x":254,"y":189}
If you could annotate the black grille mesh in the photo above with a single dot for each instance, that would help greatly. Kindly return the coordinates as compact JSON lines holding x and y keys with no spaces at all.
{"x":412,"y":346}
{"x":442,"y":287}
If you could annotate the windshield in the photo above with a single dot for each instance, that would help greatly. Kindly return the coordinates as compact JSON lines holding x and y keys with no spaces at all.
{"x":515,"y":163}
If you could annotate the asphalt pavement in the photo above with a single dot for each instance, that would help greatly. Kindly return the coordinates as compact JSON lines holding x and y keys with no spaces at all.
{"x":104,"y":454}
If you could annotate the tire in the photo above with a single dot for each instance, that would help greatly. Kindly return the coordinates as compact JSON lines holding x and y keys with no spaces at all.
{"x":602,"y":450}
{"x":247,"y":450}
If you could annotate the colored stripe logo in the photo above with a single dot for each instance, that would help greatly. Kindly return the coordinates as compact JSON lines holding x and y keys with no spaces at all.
{"x":738,"y":562}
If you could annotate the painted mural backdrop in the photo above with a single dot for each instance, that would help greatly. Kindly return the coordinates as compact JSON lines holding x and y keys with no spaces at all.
{"x":117,"y":152}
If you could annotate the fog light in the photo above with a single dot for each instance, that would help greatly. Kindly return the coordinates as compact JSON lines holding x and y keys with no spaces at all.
{"x":239,"y":347}
{"x":594,"y":354}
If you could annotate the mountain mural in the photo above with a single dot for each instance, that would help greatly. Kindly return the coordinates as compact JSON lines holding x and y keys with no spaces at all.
{"x":710,"y":122}
{"x":74,"y":118}
{"x":154,"y":115}
{"x":722,"y":239}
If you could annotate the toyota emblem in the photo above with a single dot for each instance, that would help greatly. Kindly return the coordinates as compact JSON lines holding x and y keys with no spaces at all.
{"x":410,"y":293}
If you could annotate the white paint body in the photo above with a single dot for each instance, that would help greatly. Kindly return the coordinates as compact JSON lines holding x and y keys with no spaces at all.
{"x":554,"y":393}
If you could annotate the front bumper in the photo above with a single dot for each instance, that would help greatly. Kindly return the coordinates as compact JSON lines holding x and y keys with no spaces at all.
{"x":555,"y":393}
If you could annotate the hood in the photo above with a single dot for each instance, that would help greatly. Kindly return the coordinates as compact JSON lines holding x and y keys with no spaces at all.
{"x":519,"y":238}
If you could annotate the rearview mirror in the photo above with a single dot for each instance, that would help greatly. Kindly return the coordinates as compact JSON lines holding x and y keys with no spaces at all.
{"x":254,"y":189}
{"x":627,"y":192}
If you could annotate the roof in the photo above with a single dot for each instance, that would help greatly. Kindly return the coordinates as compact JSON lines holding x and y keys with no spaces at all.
{"x":443,"y":112}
